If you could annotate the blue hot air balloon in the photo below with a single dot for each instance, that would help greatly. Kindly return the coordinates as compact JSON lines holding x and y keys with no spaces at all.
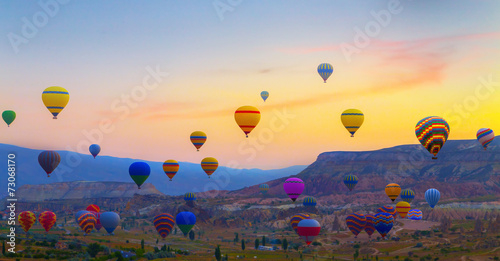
{"x":350,"y":181}
{"x":432,"y":197}
{"x":264,"y":95}
{"x":407,"y":195}
{"x":79,"y":213}
{"x":109,"y":221}
{"x":309,"y":202}
{"x":383,"y":223}
{"x":185,"y":221}
{"x":139,"y":172}
{"x":190,"y":196}
{"x":325,"y":70}
{"x":94,"y":149}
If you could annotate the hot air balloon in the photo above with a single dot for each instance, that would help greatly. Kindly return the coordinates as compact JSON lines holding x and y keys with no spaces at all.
{"x":26,"y":220}
{"x":87,"y":222}
{"x":55,"y":99}
{"x":407,"y":195}
{"x":294,"y":221}
{"x":190,"y":196}
{"x":185,"y":221}
{"x":383,"y":223}
{"x":170,"y":167}
{"x":49,"y":160}
{"x":350,"y":181}
{"x":198,"y":138}
{"x":94,"y":149}
{"x":485,"y":136}
{"x":139,"y":172}
{"x":402,"y":207}
{"x":308,"y":229}
{"x":8,"y":117}
{"x":247,"y":117}
{"x":163,"y":224}
{"x":79,"y":213}
{"x":325,"y":70}
{"x":293,"y":188}
{"x":209,"y":165}
{"x":389,"y":210}
{"x":432,"y":197}
{"x":264,"y":95}
{"x":94,"y":208}
{"x":432,"y":132}
{"x":98,"y":224}
{"x":370,"y":225}
{"x":356,"y":222}
{"x":393,"y":190}
{"x":352,"y":119}
{"x":309,"y":202}
{"x":263,"y":188}
{"x":110,"y":221}
{"x":47,"y":219}
{"x":415,"y":214}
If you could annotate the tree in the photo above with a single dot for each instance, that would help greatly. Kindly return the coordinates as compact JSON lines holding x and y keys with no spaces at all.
{"x":94,"y":249}
{"x":217,"y":253}
{"x":157,"y":241}
{"x":142,"y":244}
{"x":242,"y":244}
{"x":264,"y":240}
{"x":256,"y":243}
{"x":284,"y":244}
{"x":356,"y":254}
{"x":191,"y":235}
{"x":236,"y":239}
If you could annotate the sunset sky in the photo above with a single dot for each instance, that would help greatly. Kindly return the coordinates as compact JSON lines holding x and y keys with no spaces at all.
{"x":428,"y":58}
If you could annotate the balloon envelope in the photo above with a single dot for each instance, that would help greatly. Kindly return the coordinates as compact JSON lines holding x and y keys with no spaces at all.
{"x":389,"y":210}
{"x":98,"y":224}
{"x":190,"y":196}
{"x":308,"y":229}
{"x":309,"y":202}
{"x":356,"y":222}
{"x":163,"y":224}
{"x":263,"y":188}
{"x":87,"y":222}
{"x":432,"y":197}
{"x":485,"y":136}
{"x":393,"y":190}
{"x":94,"y":149}
{"x":264,"y":95}
{"x":94,"y":208}
{"x":350,"y":181}
{"x":79,"y":213}
{"x":432,"y":132}
{"x":383,"y":223}
{"x":415,"y":214}
{"x":170,"y":167}
{"x":370,"y":224}
{"x":293,"y":188}
{"x":49,"y":160}
{"x":109,"y":221}
{"x":26,"y":220}
{"x":352,"y":119}
{"x":8,"y":117}
{"x":402,"y":208}
{"x":139,"y":172}
{"x":198,"y":138}
{"x":209,"y":165}
{"x":294,"y":221}
{"x":55,"y":98}
{"x":247,"y":117}
{"x":325,"y":70}
{"x":47,"y":219}
{"x":185,"y":221}
{"x":407,"y":195}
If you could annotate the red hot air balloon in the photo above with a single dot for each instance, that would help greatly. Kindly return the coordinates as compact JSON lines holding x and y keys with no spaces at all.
{"x":47,"y":219}
{"x":308,"y":229}
{"x":356,"y":222}
{"x":26,"y":220}
{"x":370,"y":226}
{"x":293,"y":188}
{"x":87,"y":222}
{"x":94,"y":208}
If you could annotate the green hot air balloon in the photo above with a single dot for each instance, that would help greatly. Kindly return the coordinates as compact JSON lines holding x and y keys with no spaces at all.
{"x":9,"y":117}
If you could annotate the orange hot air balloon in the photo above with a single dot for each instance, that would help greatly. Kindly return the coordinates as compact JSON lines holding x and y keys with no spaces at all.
{"x":47,"y":219}
{"x":402,"y":208}
{"x":170,"y":167}
{"x":209,"y":165}
{"x":393,"y":190}
{"x":198,"y":138}
{"x":26,"y":219}
{"x":247,"y":117}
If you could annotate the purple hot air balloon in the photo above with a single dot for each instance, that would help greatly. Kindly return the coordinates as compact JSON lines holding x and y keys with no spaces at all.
{"x":293,"y":188}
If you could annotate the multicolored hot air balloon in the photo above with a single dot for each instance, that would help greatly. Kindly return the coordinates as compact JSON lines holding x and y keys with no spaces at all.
{"x":110,"y":221}
{"x":49,"y":160}
{"x":198,"y":138}
{"x":94,"y":149}
{"x":389,"y":210}
{"x":164,"y":224}
{"x":55,"y":99}
{"x":356,"y":222}
{"x":370,"y":225}
{"x":393,"y":190}
{"x":432,"y":132}
{"x":293,"y":188}
{"x":402,"y":207}
{"x":407,"y":195}
{"x":350,"y":181}
{"x":264,"y":95}
{"x":383,"y":223}
{"x":87,"y":222}
{"x":94,"y":208}
{"x":8,"y":117}
{"x":78,"y":214}
{"x":47,"y":219}
{"x":263,"y":188}
{"x":98,"y":224}
{"x":209,"y":165}
{"x":139,"y":172}
{"x":309,"y":202}
{"x":294,"y":221}
{"x":190,"y":196}
{"x":325,"y":70}
{"x":170,"y":167}
{"x":415,"y":214}
{"x":247,"y":117}
{"x":485,"y":136}
{"x":308,"y":229}
{"x":185,"y":221}
{"x":432,"y":197}
{"x":352,"y":119}
{"x":26,"y":220}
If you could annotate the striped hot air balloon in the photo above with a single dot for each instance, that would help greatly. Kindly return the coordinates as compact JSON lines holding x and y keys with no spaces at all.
{"x":293,"y":188}
{"x":190,"y":196}
{"x":402,"y":207}
{"x":393,"y":190}
{"x":389,"y":210}
{"x":432,"y":132}
{"x":110,"y":221}
{"x":49,"y":160}
{"x":247,"y":117}
{"x":350,"y":181}
{"x":185,"y":221}
{"x":407,"y":195}
{"x":263,"y":188}
{"x":485,"y":136}
{"x":383,"y":223}
{"x":325,"y":70}
{"x":87,"y":222}
{"x":352,"y":119}
{"x":79,"y":213}
{"x":370,"y":225}
{"x":94,"y":208}
{"x":432,"y":197}
{"x":198,"y":138}
{"x":294,"y":221}
{"x":55,"y":98}
{"x":309,"y":202}
{"x":414,"y":214}
{"x":98,"y":224}
{"x":47,"y":219}
{"x":170,"y":167}
{"x":356,"y":222}
{"x":264,"y":95}
{"x":164,"y":224}
{"x":139,"y":172}
{"x":26,"y":220}
{"x":209,"y":165}
{"x":308,"y":229}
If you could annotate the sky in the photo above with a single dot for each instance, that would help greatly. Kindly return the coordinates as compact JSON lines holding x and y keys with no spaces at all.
{"x":143,"y":75}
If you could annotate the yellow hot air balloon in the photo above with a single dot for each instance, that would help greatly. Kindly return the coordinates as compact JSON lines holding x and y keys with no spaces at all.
{"x":209,"y":165}
{"x":392,"y":190}
{"x":170,"y":167}
{"x":402,"y":208}
{"x":352,"y":120}
{"x":55,"y":99}
{"x":247,"y":117}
